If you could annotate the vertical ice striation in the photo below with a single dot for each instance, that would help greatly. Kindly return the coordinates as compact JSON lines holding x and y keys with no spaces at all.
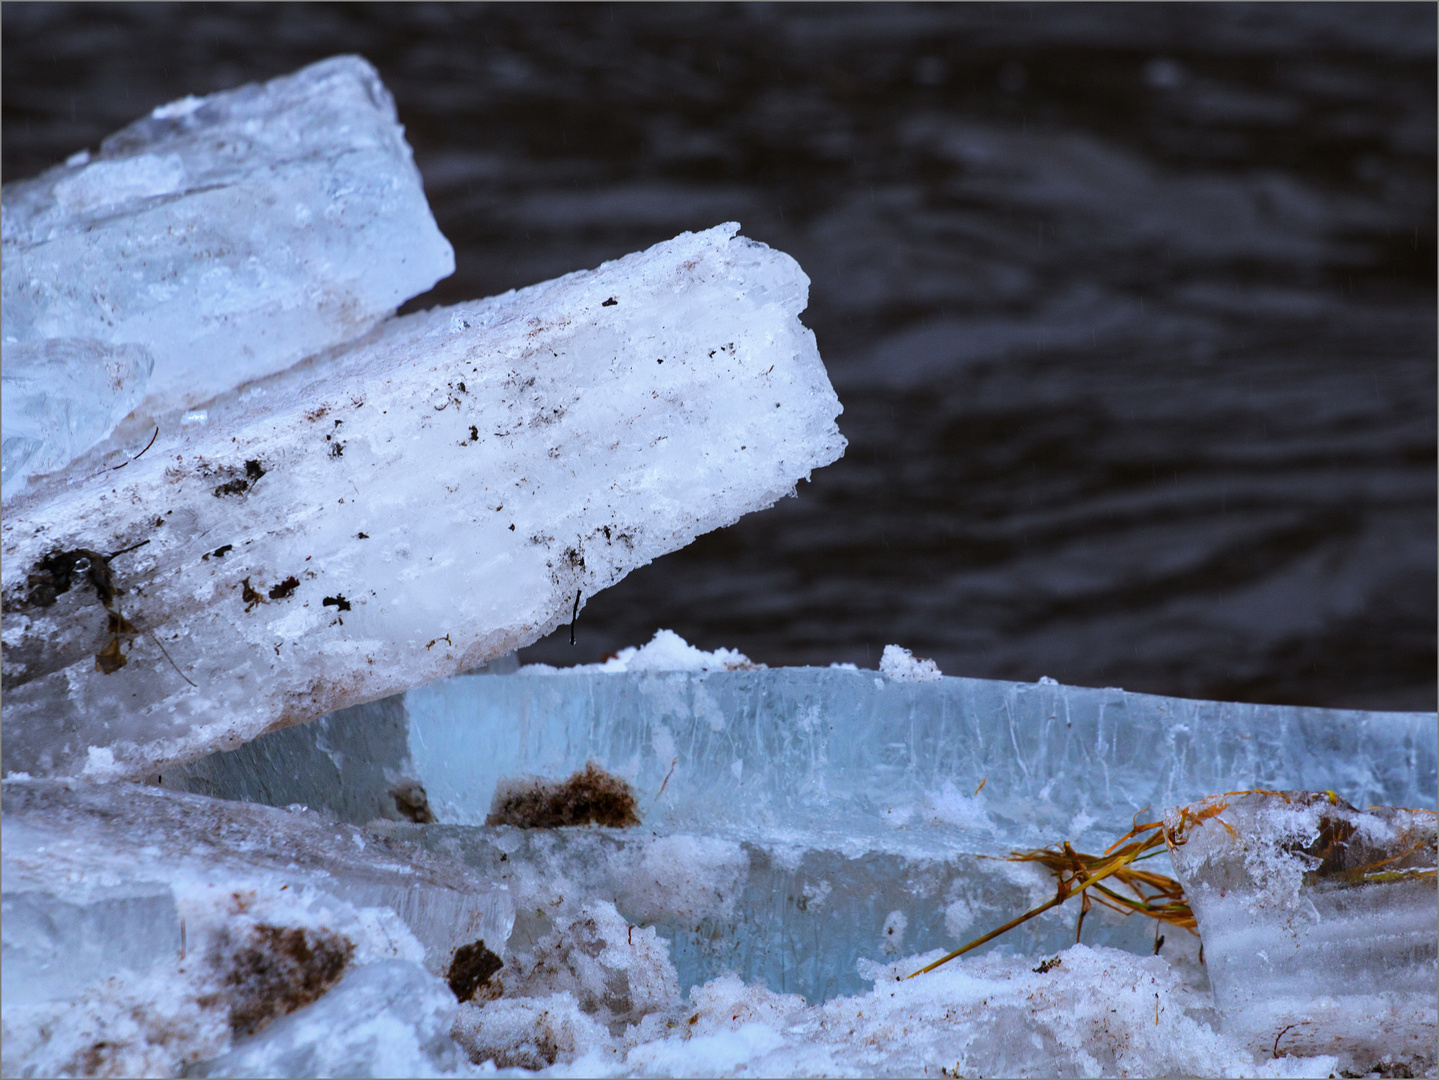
{"x":1318,"y":922}
{"x":434,"y":496}
{"x":860,"y":761}
{"x":230,"y":235}
{"x":796,"y":820}
{"x":61,"y":396}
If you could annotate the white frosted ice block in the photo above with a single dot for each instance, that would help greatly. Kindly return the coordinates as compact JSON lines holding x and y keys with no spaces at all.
{"x":436,"y":496}
{"x":1319,"y":923}
{"x":230,"y":235}
{"x":61,"y":396}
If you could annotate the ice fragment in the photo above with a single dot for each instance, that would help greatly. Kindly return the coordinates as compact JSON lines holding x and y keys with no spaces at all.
{"x":59,"y":397}
{"x":857,"y":800}
{"x":1318,"y":923}
{"x":230,"y":235}
{"x":590,"y":461}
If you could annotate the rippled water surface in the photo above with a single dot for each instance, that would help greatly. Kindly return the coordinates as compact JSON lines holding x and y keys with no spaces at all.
{"x":1131,"y":308}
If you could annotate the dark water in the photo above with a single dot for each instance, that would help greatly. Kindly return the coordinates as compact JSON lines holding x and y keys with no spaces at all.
{"x":1131,"y":308}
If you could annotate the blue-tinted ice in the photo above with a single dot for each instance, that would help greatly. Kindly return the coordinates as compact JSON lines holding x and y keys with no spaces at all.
{"x":797,"y":820}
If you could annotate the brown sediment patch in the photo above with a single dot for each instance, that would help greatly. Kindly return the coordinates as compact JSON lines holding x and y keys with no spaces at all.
{"x":471,"y":970}
{"x":279,"y":969}
{"x":413,"y":803}
{"x":590,"y":796}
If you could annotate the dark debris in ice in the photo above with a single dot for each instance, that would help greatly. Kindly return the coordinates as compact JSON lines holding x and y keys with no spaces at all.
{"x":411,"y":800}
{"x":285,"y":589}
{"x":590,"y":796}
{"x":471,"y":970}
{"x":280,"y":969}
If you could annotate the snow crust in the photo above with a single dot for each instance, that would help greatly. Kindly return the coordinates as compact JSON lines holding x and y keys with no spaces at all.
{"x":1097,"y":1012}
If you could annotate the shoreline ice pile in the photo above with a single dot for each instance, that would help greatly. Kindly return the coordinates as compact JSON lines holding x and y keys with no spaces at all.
{"x":796,"y":820}
{"x":780,"y":934}
{"x":247,"y":557}
{"x":446,"y":488}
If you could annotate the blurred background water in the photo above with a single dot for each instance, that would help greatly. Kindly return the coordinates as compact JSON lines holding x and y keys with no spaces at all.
{"x":1131,"y":308}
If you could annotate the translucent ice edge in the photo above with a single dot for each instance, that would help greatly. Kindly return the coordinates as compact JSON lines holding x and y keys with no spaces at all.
{"x":858,"y":761}
{"x":797,"y":819}
{"x":230,"y":236}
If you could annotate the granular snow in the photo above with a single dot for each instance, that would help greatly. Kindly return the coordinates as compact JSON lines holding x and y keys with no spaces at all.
{"x":666,"y":651}
{"x":1086,"y":1012}
{"x":901,"y":664}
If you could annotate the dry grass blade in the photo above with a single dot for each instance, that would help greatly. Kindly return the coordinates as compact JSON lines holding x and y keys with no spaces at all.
{"x":1155,"y":895}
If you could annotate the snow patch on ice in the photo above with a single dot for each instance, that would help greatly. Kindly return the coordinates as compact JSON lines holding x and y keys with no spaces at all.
{"x":901,"y":664}
{"x":666,"y":651}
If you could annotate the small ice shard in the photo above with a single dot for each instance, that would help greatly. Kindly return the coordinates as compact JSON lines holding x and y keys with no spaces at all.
{"x":901,"y":664}
{"x":440,"y":494}
{"x":1318,"y":923}
{"x":230,"y":235}
{"x":53,"y":943}
{"x":152,"y":932}
{"x":124,"y":836}
{"x":61,"y":396}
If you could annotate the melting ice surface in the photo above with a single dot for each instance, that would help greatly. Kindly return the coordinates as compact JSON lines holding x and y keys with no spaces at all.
{"x":798,"y":820}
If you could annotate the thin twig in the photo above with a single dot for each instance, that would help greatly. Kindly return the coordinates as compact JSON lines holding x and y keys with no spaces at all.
{"x":141,"y":453}
{"x":665,"y":783}
{"x":1278,"y":1037}
{"x":167,"y":657}
{"x":125,"y":551}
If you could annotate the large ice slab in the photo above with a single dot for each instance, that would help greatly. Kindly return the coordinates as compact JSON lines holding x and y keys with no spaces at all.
{"x":797,"y":820}
{"x":855,"y":760}
{"x":230,"y":235}
{"x":436,"y":496}
{"x":150,"y":930}
{"x":1318,"y":922}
